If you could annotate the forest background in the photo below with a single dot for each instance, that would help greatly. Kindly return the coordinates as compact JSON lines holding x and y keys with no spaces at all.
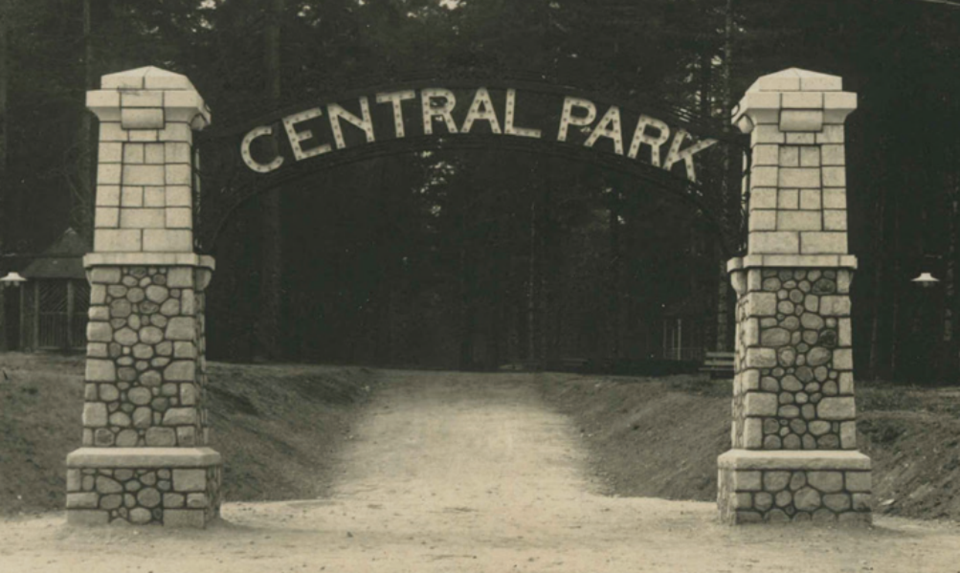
{"x":475,"y":259}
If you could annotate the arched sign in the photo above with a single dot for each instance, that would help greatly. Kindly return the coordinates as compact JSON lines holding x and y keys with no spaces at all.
{"x":663,"y":145}
{"x":429,"y":111}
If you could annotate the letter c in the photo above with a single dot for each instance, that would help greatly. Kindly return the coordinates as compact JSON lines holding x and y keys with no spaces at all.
{"x":249,"y":160}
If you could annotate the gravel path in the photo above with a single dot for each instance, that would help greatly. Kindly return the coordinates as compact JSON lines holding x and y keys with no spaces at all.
{"x":471,"y":472}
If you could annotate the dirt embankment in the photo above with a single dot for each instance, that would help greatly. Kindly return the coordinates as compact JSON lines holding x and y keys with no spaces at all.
{"x":276,"y":426}
{"x":279,"y":428}
{"x":661,"y":437}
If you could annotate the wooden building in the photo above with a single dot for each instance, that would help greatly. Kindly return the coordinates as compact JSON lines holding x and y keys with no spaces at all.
{"x":55,"y":298}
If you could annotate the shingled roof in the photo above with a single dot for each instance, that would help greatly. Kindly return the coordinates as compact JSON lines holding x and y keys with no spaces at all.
{"x":62,"y":260}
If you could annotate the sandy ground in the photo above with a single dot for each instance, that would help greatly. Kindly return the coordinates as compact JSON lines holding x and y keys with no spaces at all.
{"x":470,"y":472}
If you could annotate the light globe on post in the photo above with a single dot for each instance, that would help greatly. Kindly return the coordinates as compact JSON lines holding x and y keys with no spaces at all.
{"x":12,"y":279}
{"x":925,"y":280}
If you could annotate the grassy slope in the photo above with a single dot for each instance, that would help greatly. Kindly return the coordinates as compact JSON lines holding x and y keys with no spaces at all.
{"x":276,"y":426}
{"x":661,"y":438}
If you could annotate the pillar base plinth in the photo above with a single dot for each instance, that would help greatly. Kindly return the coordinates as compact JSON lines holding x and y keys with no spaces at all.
{"x":173,"y":487}
{"x":793,"y":486}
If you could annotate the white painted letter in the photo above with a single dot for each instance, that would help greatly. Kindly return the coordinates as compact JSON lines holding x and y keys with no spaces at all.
{"x":442,"y":111}
{"x":249,"y":160}
{"x":509,"y":127}
{"x":396,"y":98}
{"x":640,"y":137}
{"x":296,"y":137}
{"x":487,"y":114}
{"x":686,"y":155}
{"x":336,"y":113}
{"x":609,"y":126}
{"x":568,"y":119}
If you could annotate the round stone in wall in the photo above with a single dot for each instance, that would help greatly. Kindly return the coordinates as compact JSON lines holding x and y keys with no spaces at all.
{"x":109,"y":392}
{"x":818,"y":355}
{"x":170,"y":308}
{"x":806,"y":499}
{"x":142,"y":351}
{"x":824,"y":286}
{"x":161,"y":437}
{"x":787,"y":356}
{"x":149,"y":497}
{"x":149,"y":308}
{"x":811,"y":321}
{"x":769,"y":384}
{"x":120,"y":308}
{"x":777,"y":516}
{"x":140,"y":516}
{"x":117,"y":291}
{"x":829,"y":338}
{"x":107,"y":485}
{"x":139,"y":396}
{"x":125,"y":336}
{"x":142,"y":417}
{"x":819,"y":427}
{"x":157,"y":294}
{"x":151,"y":378}
{"x":127,"y":438}
{"x":790,"y":323}
{"x":150,"y":335}
{"x":805,"y":374}
{"x":762,"y":501}
{"x":135,"y":294}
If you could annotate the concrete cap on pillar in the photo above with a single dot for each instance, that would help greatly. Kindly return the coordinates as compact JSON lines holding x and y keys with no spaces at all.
{"x":149,"y":87}
{"x":146,"y":78}
{"x":793,"y":89}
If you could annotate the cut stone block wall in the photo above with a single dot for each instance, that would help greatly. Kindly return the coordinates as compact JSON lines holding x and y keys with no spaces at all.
{"x":145,"y":181}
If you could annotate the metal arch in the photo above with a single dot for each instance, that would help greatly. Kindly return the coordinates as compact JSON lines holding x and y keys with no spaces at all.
{"x":227,"y":184}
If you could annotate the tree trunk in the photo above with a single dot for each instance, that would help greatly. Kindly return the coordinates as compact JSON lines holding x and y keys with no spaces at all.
{"x":615,"y":308}
{"x":730,"y":199}
{"x":895,"y":295}
{"x":271,"y":254}
{"x":81,"y":211}
{"x":950,"y":355}
{"x":878,"y":290}
{"x":532,"y":285}
{"x":4,"y":137}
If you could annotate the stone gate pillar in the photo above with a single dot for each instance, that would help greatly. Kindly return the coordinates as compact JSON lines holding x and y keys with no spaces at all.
{"x":794,"y":453}
{"x":143,"y":458}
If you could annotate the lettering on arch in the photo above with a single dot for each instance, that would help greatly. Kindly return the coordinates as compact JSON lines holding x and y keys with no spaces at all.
{"x":441,"y":112}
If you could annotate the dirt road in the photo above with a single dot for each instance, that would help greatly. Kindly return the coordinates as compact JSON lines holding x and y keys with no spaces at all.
{"x":471,"y":472}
